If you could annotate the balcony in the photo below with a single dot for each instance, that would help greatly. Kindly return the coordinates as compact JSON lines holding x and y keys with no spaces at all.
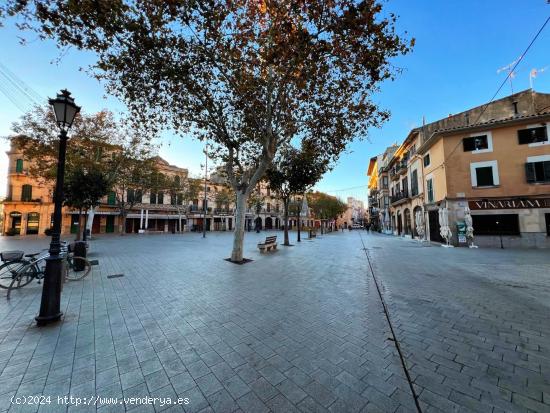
{"x":400,"y":168}
{"x":400,"y":197}
{"x":223,"y":211}
{"x":12,"y":171}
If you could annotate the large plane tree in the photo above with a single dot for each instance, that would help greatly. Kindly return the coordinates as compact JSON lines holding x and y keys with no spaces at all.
{"x":246,"y":75}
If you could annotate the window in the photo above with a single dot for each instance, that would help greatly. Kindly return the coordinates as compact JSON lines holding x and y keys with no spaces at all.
{"x":499,"y":224}
{"x":484,"y":174}
{"x":386,"y":201}
{"x":533,"y":135}
{"x":153,"y":198}
{"x":385,"y":182}
{"x":268,"y":191}
{"x":111,"y":198}
{"x":537,"y":169}
{"x":476,"y":143}
{"x":430,"y":190}
{"x":130,"y":195}
{"x":404,"y":185}
{"x":138,"y":196}
{"x":268,"y":206}
{"x":179,"y":199}
{"x":414,"y":183}
{"x":160,"y":198}
{"x":26,"y":193}
{"x":427,"y":160}
{"x":19,"y":166}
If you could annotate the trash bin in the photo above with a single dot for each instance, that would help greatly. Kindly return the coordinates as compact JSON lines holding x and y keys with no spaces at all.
{"x":79,"y":250}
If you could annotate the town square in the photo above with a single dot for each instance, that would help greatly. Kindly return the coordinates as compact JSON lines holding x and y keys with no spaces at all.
{"x":274,"y":206}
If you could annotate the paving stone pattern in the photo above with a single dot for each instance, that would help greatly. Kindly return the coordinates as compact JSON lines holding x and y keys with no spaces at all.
{"x":301,"y":329}
{"x":474,"y":324}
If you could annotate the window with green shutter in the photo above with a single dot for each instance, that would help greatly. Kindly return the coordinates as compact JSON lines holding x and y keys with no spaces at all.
{"x":537,"y":171}
{"x":111,"y":198}
{"x":26,"y":193}
{"x":19,"y":166}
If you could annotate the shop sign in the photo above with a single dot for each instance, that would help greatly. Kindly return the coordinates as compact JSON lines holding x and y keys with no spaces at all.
{"x":509,"y":203}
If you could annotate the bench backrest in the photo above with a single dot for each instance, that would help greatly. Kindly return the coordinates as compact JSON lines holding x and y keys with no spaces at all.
{"x":270,"y":240}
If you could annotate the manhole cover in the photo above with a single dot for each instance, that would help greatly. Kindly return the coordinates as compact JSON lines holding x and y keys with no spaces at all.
{"x":94,"y":262}
{"x":115,"y":275}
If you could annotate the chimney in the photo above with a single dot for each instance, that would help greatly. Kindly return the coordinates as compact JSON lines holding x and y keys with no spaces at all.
{"x":515,"y":104}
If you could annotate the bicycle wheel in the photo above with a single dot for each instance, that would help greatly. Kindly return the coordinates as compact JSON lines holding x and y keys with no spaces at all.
{"x":9,"y":270}
{"x":77,"y":268}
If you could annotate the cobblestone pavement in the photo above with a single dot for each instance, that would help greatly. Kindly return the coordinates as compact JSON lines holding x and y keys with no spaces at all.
{"x":301,"y":329}
{"x":474,"y":324}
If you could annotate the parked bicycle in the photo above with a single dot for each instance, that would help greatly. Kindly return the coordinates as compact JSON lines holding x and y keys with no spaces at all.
{"x":27,"y":267}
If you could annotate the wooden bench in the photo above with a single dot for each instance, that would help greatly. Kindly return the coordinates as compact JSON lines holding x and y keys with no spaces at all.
{"x":269,"y":244}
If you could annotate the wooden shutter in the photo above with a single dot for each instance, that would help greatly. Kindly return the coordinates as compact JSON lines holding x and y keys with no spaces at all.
{"x":530,"y":172}
{"x":546,"y":171}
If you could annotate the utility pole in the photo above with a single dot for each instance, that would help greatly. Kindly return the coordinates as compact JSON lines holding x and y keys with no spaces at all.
{"x":204,"y":201}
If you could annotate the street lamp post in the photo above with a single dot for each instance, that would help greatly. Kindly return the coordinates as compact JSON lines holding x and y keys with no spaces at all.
{"x":65,"y":111}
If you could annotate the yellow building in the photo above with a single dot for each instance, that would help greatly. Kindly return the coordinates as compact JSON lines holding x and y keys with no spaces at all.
{"x":493,"y":159}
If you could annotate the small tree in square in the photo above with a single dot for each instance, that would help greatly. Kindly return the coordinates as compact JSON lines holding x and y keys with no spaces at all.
{"x":293,"y":172}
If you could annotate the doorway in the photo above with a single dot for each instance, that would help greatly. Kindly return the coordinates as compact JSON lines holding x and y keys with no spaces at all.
{"x":433,"y":219}
{"x":15,"y":228}
{"x":33,"y":219}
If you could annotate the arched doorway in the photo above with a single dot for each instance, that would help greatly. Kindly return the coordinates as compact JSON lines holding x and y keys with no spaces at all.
{"x":268,"y":223}
{"x":399,"y":223}
{"x":258,"y":223}
{"x":33,"y":219}
{"x":408,"y":222}
{"x":415,"y":223}
{"x":15,"y":227}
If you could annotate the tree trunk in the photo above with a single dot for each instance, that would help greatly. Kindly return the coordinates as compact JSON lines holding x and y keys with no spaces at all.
{"x":299,"y":223}
{"x":123,"y":229}
{"x":285,"y":206}
{"x":240,"y":217}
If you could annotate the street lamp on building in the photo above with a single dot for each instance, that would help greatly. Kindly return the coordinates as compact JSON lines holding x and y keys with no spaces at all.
{"x":65,"y":111}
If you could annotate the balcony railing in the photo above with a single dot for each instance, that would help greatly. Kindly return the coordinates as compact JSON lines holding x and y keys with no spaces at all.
{"x":399,"y":196}
{"x":223,"y":211}
{"x":24,"y":171}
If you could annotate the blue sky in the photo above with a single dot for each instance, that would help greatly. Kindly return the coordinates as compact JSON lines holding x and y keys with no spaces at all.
{"x":459,"y":47}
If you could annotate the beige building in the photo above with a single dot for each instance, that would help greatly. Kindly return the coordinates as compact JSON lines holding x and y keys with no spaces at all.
{"x":496,"y":161}
{"x":28,"y":207}
{"x":493,"y":159}
{"x":379,"y":190}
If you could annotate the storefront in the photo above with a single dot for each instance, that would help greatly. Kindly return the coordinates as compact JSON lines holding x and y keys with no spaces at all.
{"x":520,"y":222}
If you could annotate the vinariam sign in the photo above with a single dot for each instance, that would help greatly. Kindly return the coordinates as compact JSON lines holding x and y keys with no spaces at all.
{"x":509,"y":203}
